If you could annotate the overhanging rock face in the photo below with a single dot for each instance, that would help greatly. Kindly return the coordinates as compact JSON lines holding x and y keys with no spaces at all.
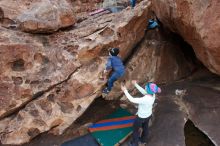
{"x":198,"y":23}
{"x":61,"y":70}
{"x":157,"y":58}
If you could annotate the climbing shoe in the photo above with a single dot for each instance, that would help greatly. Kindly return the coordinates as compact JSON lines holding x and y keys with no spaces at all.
{"x":142,"y":142}
{"x":130,"y":144}
{"x":106,"y":91}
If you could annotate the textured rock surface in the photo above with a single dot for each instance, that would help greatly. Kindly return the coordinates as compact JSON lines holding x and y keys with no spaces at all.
{"x":86,"y":5}
{"x":29,"y":66}
{"x":197,"y":22}
{"x":64,"y":66}
{"x":37,"y":16}
{"x":204,"y":109}
{"x":168,"y":123}
{"x":83,"y":7}
{"x":159,"y":59}
{"x":200,"y":104}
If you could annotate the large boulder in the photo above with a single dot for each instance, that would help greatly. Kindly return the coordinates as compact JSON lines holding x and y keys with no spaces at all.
{"x":48,"y":81}
{"x":197,"y":22}
{"x":197,"y":101}
{"x":203,"y":107}
{"x":168,"y":123}
{"x":37,"y":16}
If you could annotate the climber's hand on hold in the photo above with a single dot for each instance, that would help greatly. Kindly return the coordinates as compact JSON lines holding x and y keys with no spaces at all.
{"x":134,"y":82}
{"x":123,"y":87}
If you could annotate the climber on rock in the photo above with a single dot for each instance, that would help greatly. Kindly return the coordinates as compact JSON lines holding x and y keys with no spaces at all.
{"x":133,"y":3}
{"x":115,"y":64}
{"x":145,"y":106}
{"x":152,"y":24}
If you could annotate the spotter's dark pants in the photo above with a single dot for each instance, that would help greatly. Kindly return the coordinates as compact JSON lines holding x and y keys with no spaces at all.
{"x":140,"y":123}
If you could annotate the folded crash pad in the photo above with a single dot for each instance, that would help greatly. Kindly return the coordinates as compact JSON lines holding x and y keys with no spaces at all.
{"x":114,"y":129}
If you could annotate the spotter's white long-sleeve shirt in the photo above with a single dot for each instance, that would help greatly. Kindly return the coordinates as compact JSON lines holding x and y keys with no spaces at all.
{"x":145,"y":103}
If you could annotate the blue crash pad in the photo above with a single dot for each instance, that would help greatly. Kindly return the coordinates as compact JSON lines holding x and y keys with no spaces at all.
{"x":86,"y":140}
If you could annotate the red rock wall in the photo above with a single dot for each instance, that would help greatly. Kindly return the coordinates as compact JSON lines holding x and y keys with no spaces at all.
{"x":198,"y":23}
{"x":85,"y":5}
{"x":37,"y":16}
{"x":56,"y":76}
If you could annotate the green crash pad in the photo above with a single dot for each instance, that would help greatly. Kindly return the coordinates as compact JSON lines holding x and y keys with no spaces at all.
{"x":114,"y":129}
